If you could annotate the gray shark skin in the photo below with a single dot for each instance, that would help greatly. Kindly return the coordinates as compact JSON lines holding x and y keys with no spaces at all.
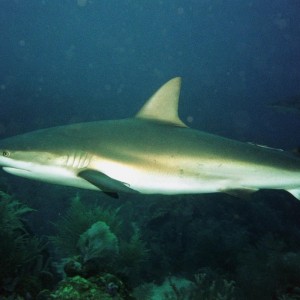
{"x":151,"y":153}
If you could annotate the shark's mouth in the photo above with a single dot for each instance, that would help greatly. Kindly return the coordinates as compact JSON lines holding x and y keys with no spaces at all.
{"x":16,"y":171}
{"x":37,"y":173}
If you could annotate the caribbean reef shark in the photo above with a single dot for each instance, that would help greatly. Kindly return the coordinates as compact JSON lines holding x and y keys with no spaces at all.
{"x":151,"y":153}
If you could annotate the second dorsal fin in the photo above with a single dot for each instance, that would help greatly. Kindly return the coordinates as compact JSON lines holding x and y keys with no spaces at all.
{"x":163,"y":105}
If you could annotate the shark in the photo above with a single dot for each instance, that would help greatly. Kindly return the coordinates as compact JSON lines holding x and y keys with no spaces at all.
{"x":154,"y":152}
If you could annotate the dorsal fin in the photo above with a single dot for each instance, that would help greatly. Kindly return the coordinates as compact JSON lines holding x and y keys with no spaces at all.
{"x":163,"y":105}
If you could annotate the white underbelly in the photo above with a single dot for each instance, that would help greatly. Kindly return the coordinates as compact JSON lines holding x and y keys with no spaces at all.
{"x":211,"y":179}
{"x":55,"y":175}
{"x":158,"y":181}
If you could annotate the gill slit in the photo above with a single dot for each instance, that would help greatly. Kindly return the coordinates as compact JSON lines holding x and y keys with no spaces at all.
{"x":78,"y":160}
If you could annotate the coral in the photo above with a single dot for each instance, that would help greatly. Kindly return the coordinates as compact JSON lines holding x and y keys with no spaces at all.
{"x":92,"y":241}
{"x":208,"y":289}
{"x":22,"y":263}
{"x":112,"y":285}
{"x":175,"y":288}
{"x":270,"y":269}
{"x":133,"y":254}
{"x":104,"y":287}
{"x":77,"y":288}
{"x":11,"y":213}
{"x":144,"y":291}
{"x":78,"y":219}
{"x":98,"y":242}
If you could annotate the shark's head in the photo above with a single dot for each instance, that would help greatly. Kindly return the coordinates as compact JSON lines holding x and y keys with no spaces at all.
{"x":31,"y":156}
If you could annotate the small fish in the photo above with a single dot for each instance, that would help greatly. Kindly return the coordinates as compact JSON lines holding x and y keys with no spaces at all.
{"x":290,"y":105}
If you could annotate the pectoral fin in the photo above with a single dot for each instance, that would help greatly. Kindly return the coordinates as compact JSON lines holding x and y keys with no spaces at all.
{"x":105,"y":183}
{"x":295,"y":193}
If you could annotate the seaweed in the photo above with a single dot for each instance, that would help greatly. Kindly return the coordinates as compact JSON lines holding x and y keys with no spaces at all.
{"x":77,"y":220}
{"x":203,"y":286}
{"x":20,"y":251}
{"x":92,"y":240}
{"x":133,"y":254}
{"x":98,"y":242}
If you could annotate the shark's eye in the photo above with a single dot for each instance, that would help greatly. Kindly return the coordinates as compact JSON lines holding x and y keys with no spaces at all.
{"x":6,"y":153}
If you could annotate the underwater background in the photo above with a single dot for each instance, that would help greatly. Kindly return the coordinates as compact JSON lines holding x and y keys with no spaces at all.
{"x":68,"y":61}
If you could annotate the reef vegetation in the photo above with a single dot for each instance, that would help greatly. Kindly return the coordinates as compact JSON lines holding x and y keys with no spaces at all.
{"x":169,"y":248}
{"x":24,"y":260}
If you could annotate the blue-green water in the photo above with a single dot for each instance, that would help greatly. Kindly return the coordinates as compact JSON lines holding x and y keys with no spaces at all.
{"x":82,"y":60}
